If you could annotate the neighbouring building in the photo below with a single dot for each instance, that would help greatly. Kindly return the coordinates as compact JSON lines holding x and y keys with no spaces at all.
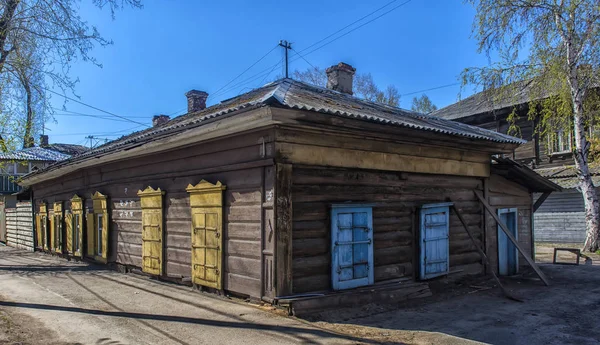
{"x":560,"y":217}
{"x":13,"y":166}
{"x":290,"y":191}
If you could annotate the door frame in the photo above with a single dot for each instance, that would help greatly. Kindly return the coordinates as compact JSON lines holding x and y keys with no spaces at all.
{"x":515,"y":233}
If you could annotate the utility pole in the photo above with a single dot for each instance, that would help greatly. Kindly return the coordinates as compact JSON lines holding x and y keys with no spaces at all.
{"x":286,"y":46}
{"x":91,"y":137}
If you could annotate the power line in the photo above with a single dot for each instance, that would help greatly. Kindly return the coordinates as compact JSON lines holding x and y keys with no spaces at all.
{"x":247,"y":69}
{"x":303,"y":58}
{"x":349,"y":25}
{"x":95,"y":108}
{"x":266,"y":73}
{"x":356,"y":28}
{"x":433,"y":88}
{"x":98,"y":115}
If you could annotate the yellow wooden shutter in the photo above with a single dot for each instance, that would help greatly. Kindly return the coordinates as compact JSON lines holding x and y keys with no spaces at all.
{"x":69,"y":227}
{"x":90,"y":230}
{"x":206,"y":201}
{"x":152,"y":232}
{"x":105,"y":231}
{"x":38,"y":231}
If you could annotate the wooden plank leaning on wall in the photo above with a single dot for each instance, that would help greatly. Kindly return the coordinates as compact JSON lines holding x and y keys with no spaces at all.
{"x":511,"y":237}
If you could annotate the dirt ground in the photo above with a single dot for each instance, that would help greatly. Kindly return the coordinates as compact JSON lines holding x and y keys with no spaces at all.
{"x":473,"y":311}
{"x":49,"y":300}
{"x":46,"y":300}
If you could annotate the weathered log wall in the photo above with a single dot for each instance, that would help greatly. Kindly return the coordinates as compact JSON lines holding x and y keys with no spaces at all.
{"x":396,"y":198}
{"x":243,"y":163}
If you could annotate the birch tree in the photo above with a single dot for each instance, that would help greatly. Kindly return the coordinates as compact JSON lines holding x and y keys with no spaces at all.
{"x":548,"y":50}
{"x":39,"y":41}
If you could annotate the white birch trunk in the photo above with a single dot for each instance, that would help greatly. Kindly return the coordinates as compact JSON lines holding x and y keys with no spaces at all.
{"x":588,"y":191}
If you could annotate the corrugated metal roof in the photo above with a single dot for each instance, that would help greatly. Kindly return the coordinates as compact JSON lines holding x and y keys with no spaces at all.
{"x":566,"y":176}
{"x":297,"y":95}
{"x":489,"y":101}
{"x":34,"y":154}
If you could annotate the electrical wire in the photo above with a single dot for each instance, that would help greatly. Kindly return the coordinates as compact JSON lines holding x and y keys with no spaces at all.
{"x":247,"y":69}
{"x":95,"y":108}
{"x":266,"y":73}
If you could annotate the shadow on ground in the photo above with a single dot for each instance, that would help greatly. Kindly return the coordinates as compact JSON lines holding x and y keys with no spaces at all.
{"x":567,"y":312}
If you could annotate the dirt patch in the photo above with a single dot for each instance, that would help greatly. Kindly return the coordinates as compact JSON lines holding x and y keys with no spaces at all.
{"x":544,"y":252}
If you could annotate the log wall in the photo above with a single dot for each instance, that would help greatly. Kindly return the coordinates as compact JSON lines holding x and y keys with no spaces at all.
{"x":396,"y":197}
{"x":243,"y":163}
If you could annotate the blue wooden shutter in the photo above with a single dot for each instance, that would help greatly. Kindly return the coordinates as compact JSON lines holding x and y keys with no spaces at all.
{"x":435,"y":222}
{"x":351,"y":246}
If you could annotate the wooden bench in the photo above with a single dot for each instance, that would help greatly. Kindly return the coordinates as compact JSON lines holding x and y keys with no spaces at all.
{"x":572,"y":250}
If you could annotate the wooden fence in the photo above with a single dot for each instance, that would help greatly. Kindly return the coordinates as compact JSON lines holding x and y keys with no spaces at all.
{"x":19,"y":226}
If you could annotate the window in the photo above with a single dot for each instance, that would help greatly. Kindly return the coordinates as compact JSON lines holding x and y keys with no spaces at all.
{"x":45,"y":231}
{"x":77,"y":229}
{"x":351,"y":246}
{"x":58,"y":233}
{"x":99,"y":225}
{"x":560,"y":142}
{"x":434,"y":253}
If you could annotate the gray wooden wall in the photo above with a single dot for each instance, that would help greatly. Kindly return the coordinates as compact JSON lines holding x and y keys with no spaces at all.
{"x":561,"y":218}
{"x":19,"y":226}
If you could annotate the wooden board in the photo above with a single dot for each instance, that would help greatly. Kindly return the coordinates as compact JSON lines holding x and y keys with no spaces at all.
{"x":349,"y":158}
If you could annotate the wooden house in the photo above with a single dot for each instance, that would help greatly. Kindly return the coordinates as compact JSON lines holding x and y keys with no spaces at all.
{"x":560,"y":217}
{"x":287,"y":190}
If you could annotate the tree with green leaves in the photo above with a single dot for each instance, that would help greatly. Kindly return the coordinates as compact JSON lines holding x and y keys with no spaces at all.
{"x":39,"y":41}
{"x":423,"y":105}
{"x":363,"y":86}
{"x":548,"y":50}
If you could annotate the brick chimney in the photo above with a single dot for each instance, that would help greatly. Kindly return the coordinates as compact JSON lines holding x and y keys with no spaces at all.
{"x":340,"y":77}
{"x":43,"y":140}
{"x":158,"y":120}
{"x":196,"y":100}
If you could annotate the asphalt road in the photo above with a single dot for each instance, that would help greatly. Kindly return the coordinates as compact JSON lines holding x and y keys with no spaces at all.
{"x":73,"y":302}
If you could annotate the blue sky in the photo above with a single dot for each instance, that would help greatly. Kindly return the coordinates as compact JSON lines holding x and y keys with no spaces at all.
{"x":170,"y":47}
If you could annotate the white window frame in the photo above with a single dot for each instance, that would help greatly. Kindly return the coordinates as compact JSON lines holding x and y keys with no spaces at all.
{"x":337,"y":209}
{"x":99,"y":230}
{"x":76,"y":226}
{"x":558,"y":137}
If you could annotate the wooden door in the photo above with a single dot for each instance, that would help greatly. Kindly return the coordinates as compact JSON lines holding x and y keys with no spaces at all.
{"x":206,"y":201}
{"x":507,"y":252}
{"x":434,"y":252}
{"x":351,"y":247}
